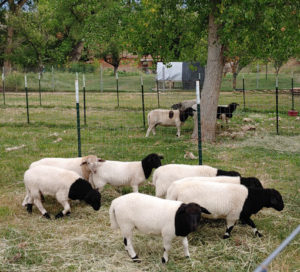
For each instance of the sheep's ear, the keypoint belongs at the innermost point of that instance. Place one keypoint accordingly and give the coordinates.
(84, 162)
(101, 160)
(161, 157)
(203, 210)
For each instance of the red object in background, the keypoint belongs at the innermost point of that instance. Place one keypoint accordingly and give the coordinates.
(292, 113)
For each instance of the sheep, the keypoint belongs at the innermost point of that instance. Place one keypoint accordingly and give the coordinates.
(119, 173)
(152, 215)
(225, 111)
(166, 174)
(77, 165)
(167, 118)
(226, 200)
(184, 104)
(60, 183)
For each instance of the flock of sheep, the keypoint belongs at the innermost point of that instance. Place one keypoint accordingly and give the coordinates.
(191, 191)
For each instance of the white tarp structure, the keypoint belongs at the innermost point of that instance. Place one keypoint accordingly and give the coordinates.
(185, 72)
(172, 71)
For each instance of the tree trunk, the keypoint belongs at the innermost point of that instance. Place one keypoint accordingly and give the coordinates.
(234, 76)
(234, 67)
(8, 49)
(212, 85)
(77, 51)
(14, 8)
(116, 69)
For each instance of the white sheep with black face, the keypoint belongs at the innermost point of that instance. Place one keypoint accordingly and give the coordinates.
(167, 118)
(152, 215)
(59, 183)
(119, 173)
(165, 175)
(78, 165)
(226, 200)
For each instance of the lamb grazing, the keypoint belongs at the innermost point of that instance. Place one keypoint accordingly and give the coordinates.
(77, 165)
(226, 200)
(60, 183)
(119, 173)
(173, 118)
(154, 215)
(225, 111)
(165, 175)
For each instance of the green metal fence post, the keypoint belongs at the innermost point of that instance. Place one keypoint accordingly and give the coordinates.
(143, 103)
(293, 102)
(277, 118)
(53, 83)
(157, 94)
(40, 88)
(26, 92)
(199, 122)
(101, 78)
(117, 81)
(84, 102)
(78, 117)
(244, 95)
(3, 85)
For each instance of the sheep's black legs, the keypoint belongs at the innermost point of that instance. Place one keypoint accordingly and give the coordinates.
(167, 245)
(230, 224)
(29, 208)
(130, 249)
(227, 232)
(249, 222)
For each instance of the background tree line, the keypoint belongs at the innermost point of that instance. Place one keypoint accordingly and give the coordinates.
(38, 32)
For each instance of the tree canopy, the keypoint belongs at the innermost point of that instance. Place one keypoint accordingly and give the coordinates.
(210, 31)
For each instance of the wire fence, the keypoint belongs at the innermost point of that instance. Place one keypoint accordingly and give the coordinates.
(263, 266)
(123, 104)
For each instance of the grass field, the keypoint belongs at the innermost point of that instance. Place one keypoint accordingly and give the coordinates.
(84, 240)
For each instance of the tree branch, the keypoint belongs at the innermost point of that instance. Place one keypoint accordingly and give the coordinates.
(21, 3)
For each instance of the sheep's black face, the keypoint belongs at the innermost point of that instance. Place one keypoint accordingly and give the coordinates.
(176, 106)
(187, 218)
(233, 106)
(276, 201)
(251, 182)
(183, 115)
(151, 161)
(190, 112)
(93, 198)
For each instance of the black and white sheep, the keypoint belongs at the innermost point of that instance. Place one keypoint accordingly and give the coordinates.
(118, 173)
(165, 175)
(77, 165)
(226, 200)
(225, 111)
(173, 118)
(152, 215)
(60, 183)
(248, 182)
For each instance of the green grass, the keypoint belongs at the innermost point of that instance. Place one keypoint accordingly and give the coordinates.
(84, 241)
